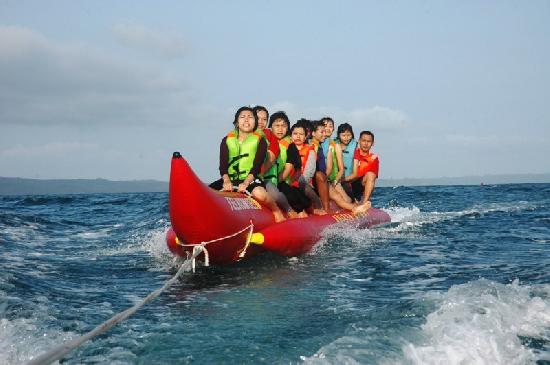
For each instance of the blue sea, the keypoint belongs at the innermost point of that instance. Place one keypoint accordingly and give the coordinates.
(460, 276)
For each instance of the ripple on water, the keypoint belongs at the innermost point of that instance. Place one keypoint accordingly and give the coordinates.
(407, 292)
(484, 322)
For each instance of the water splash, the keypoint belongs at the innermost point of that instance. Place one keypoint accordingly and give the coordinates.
(485, 322)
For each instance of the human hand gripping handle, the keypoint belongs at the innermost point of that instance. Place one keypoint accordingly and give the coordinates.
(242, 187)
(227, 185)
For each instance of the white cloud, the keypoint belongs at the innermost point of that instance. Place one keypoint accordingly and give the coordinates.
(137, 36)
(44, 82)
(374, 118)
(378, 118)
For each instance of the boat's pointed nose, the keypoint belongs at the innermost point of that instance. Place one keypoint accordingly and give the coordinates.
(199, 214)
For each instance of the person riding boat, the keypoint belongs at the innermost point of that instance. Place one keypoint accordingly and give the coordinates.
(242, 153)
(334, 161)
(365, 169)
(329, 151)
(307, 125)
(318, 136)
(273, 152)
(346, 139)
(272, 146)
(303, 178)
(280, 125)
(295, 178)
(320, 182)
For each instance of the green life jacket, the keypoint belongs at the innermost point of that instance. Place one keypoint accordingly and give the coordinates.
(278, 166)
(335, 169)
(241, 155)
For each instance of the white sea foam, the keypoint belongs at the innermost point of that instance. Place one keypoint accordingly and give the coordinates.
(28, 233)
(154, 242)
(91, 235)
(411, 217)
(402, 220)
(481, 323)
(22, 339)
(149, 241)
(402, 214)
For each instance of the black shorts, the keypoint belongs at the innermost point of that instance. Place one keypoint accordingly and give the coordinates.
(218, 184)
(296, 198)
(357, 189)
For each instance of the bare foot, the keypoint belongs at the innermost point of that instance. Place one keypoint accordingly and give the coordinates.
(361, 209)
(302, 214)
(278, 215)
(319, 211)
(292, 214)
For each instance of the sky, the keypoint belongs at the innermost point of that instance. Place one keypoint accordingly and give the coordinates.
(109, 89)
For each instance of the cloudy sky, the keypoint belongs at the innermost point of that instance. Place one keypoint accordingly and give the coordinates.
(94, 89)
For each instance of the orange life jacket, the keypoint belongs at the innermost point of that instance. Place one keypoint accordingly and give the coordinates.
(304, 155)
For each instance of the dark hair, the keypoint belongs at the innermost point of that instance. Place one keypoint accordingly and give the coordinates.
(327, 119)
(344, 127)
(298, 125)
(259, 108)
(368, 133)
(318, 124)
(242, 109)
(279, 115)
(306, 124)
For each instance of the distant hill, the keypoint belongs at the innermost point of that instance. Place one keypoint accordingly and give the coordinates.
(469, 180)
(21, 186)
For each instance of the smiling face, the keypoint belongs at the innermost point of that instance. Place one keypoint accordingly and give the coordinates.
(329, 128)
(298, 136)
(345, 137)
(279, 128)
(262, 119)
(245, 121)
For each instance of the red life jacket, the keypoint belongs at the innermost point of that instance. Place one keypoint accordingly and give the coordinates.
(367, 163)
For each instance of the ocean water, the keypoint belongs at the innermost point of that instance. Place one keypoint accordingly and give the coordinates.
(460, 276)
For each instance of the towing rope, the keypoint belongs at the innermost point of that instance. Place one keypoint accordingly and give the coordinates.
(60, 351)
(201, 247)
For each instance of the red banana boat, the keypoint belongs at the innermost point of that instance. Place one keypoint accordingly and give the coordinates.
(231, 226)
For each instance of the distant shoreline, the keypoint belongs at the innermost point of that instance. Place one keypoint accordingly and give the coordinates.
(24, 186)
(470, 180)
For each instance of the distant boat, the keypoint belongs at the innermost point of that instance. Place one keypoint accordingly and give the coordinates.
(232, 226)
